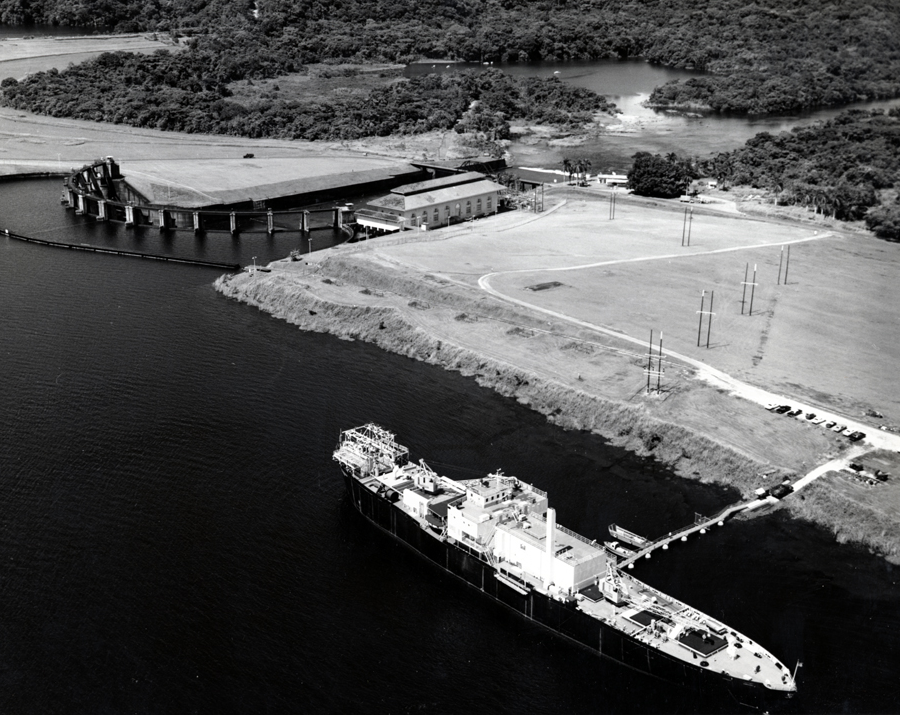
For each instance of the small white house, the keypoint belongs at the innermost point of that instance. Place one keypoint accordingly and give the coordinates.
(612, 179)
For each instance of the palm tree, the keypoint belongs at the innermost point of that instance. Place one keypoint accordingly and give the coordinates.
(585, 170)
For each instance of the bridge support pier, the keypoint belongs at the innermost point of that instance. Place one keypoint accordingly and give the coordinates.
(304, 221)
(79, 205)
(270, 222)
(165, 219)
(129, 216)
(232, 222)
(338, 217)
(198, 222)
(101, 211)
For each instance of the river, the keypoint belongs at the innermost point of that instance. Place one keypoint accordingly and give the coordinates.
(628, 83)
(174, 536)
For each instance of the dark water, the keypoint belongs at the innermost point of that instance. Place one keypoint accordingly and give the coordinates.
(175, 538)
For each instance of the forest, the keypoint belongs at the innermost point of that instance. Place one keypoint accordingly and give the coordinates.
(759, 57)
(847, 167)
(171, 91)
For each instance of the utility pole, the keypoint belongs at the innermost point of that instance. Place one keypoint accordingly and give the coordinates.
(752, 289)
(612, 205)
(659, 368)
(788, 266)
(744, 283)
(649, 369)
(690, 223)
(780, 262)
(700, 326)
(711, 314)
(684, 226)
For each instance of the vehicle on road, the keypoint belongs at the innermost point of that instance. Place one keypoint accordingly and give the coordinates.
(780, 491)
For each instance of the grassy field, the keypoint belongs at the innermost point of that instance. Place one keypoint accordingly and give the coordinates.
(830, 335)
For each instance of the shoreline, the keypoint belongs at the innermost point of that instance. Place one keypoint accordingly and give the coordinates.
(357, 299)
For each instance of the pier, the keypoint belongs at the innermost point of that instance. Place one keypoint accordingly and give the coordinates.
(121, 252)
(700, 525)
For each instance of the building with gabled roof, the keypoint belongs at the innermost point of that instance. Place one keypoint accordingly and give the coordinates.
(432, 203)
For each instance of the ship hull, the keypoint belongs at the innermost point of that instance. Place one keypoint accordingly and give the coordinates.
(563, 618)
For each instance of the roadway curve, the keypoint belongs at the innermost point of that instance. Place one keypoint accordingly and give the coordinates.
(874, 436)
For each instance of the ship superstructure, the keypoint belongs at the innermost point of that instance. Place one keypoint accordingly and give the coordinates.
(499, 534)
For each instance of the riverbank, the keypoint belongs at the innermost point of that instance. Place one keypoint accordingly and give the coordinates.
(420, 299)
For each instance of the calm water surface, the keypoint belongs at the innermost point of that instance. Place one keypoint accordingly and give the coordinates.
(174, 536)
(629, 83)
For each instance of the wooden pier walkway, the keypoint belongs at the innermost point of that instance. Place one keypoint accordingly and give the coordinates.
(682, 534)
(122, 252)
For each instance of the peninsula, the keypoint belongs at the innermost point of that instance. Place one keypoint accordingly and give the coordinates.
(556, 310)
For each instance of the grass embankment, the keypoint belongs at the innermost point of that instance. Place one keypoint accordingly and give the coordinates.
(294, 298)
(420, 299)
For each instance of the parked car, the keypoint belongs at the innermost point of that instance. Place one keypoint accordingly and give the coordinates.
(781, 409)
(856, 436)
(829, 425)
(781, 491)
(818, 420)
(838, 428)
(810, 415)
(794, 413)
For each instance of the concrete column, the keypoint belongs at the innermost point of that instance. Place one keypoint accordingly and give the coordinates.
(338, 217)
(304, 221)
(233, 222)
(198, 222)
(101, 210)
(270, 222)
(129, 215)
(165, 219)
(70, 197)
(79, 205)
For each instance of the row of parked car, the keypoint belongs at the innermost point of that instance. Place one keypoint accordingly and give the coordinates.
(787, 410)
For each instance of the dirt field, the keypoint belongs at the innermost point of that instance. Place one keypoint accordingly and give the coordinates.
(20, 57)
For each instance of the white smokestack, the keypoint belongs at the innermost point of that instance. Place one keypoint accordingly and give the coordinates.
(551, 533)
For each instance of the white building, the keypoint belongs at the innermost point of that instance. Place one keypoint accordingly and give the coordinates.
(428, 204)
(612, 179)
(510, 525)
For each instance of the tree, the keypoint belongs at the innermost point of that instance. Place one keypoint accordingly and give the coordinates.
(663, 177)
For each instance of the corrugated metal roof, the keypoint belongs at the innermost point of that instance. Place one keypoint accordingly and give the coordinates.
(439, 196)
(432, 184)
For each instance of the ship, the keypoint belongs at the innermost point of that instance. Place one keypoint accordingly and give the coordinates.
(499, 534)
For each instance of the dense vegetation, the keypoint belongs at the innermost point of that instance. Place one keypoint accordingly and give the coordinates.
(765, 55)
(847, 167)
(176, 92)
(661, 176)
